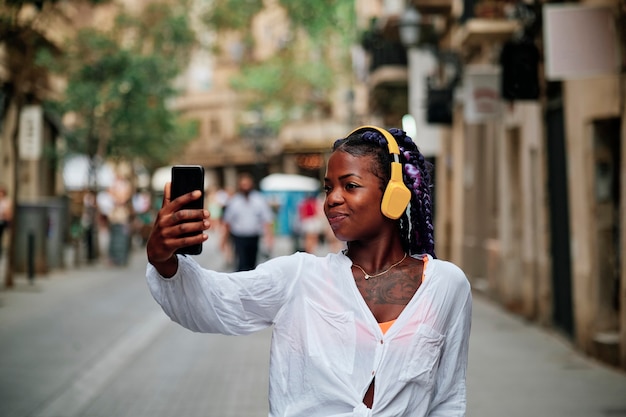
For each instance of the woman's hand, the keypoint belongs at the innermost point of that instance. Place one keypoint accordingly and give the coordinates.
(170, 229)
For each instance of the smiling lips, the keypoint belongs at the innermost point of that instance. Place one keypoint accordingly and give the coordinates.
(335, 218)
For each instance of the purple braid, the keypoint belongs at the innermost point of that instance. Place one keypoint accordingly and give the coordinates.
(417, 177)
(416, 230)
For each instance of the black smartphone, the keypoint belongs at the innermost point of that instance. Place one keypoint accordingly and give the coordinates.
(185, 179)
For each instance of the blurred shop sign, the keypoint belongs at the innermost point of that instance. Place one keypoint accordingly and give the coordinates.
(482, 93)
(580, 41)
(31, 133)
(78, 175)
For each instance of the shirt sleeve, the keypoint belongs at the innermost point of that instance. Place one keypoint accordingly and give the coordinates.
(450, 387)
(229, 303)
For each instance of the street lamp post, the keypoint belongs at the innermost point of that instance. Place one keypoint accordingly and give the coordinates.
(421, 64)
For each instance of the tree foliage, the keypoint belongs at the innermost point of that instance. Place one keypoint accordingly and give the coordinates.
(233, 14)
(301, 76)
(120, 82)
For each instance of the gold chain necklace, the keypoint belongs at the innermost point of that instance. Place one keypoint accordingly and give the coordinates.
(368, 276)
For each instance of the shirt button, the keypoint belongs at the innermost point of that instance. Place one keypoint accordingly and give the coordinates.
(373, 373)
(381, 341)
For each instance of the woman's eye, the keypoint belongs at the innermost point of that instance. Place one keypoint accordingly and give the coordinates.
(351, 185)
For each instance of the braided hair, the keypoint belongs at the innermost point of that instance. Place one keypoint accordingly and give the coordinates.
(416, 227)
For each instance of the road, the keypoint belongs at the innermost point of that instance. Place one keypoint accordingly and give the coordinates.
(91, 342)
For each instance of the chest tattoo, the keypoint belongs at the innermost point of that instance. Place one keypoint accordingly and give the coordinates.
(397, 288)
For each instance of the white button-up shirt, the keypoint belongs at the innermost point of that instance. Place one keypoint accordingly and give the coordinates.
(326, 344)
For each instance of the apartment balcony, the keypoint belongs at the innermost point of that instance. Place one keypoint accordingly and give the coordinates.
(477, 31)
(433, 7)
(486, 21)
(387, 73)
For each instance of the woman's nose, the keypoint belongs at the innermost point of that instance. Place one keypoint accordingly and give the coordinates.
(333, 198)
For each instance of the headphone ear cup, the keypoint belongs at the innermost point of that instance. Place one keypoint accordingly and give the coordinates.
(397, 196)
(395, 200)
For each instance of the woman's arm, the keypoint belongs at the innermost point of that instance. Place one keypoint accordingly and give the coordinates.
(229, 303)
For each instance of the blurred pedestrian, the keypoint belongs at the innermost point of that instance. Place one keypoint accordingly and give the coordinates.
(143, 215)
(380, 329)
(120, 220)
(247, 218)
(88, 222)
(215, 205)
(219, 203)
(6, 214)
(310, 222)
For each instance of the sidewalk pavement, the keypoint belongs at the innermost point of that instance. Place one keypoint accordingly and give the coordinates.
(517, 369)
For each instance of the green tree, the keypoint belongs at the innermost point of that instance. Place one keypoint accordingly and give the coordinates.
(120, 82)
(302, 75)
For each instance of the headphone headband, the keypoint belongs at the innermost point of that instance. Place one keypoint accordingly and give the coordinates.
(392, 145)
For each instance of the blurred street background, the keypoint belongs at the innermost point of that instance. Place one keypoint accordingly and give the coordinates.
(519, 105)
(93, 342)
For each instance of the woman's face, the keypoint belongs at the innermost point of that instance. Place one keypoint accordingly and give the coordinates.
(353, 197)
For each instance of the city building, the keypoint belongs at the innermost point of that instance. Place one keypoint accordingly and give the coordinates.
(529, 199)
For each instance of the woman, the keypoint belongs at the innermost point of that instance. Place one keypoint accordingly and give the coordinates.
(381, 328)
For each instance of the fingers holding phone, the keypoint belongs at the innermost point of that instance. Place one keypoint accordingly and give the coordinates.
(179, 225)
(187, 180)
(180, 209)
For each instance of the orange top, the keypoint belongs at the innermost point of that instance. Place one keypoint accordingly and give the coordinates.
(386, 325)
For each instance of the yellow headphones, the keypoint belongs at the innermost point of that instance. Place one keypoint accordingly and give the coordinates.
(397, 196)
